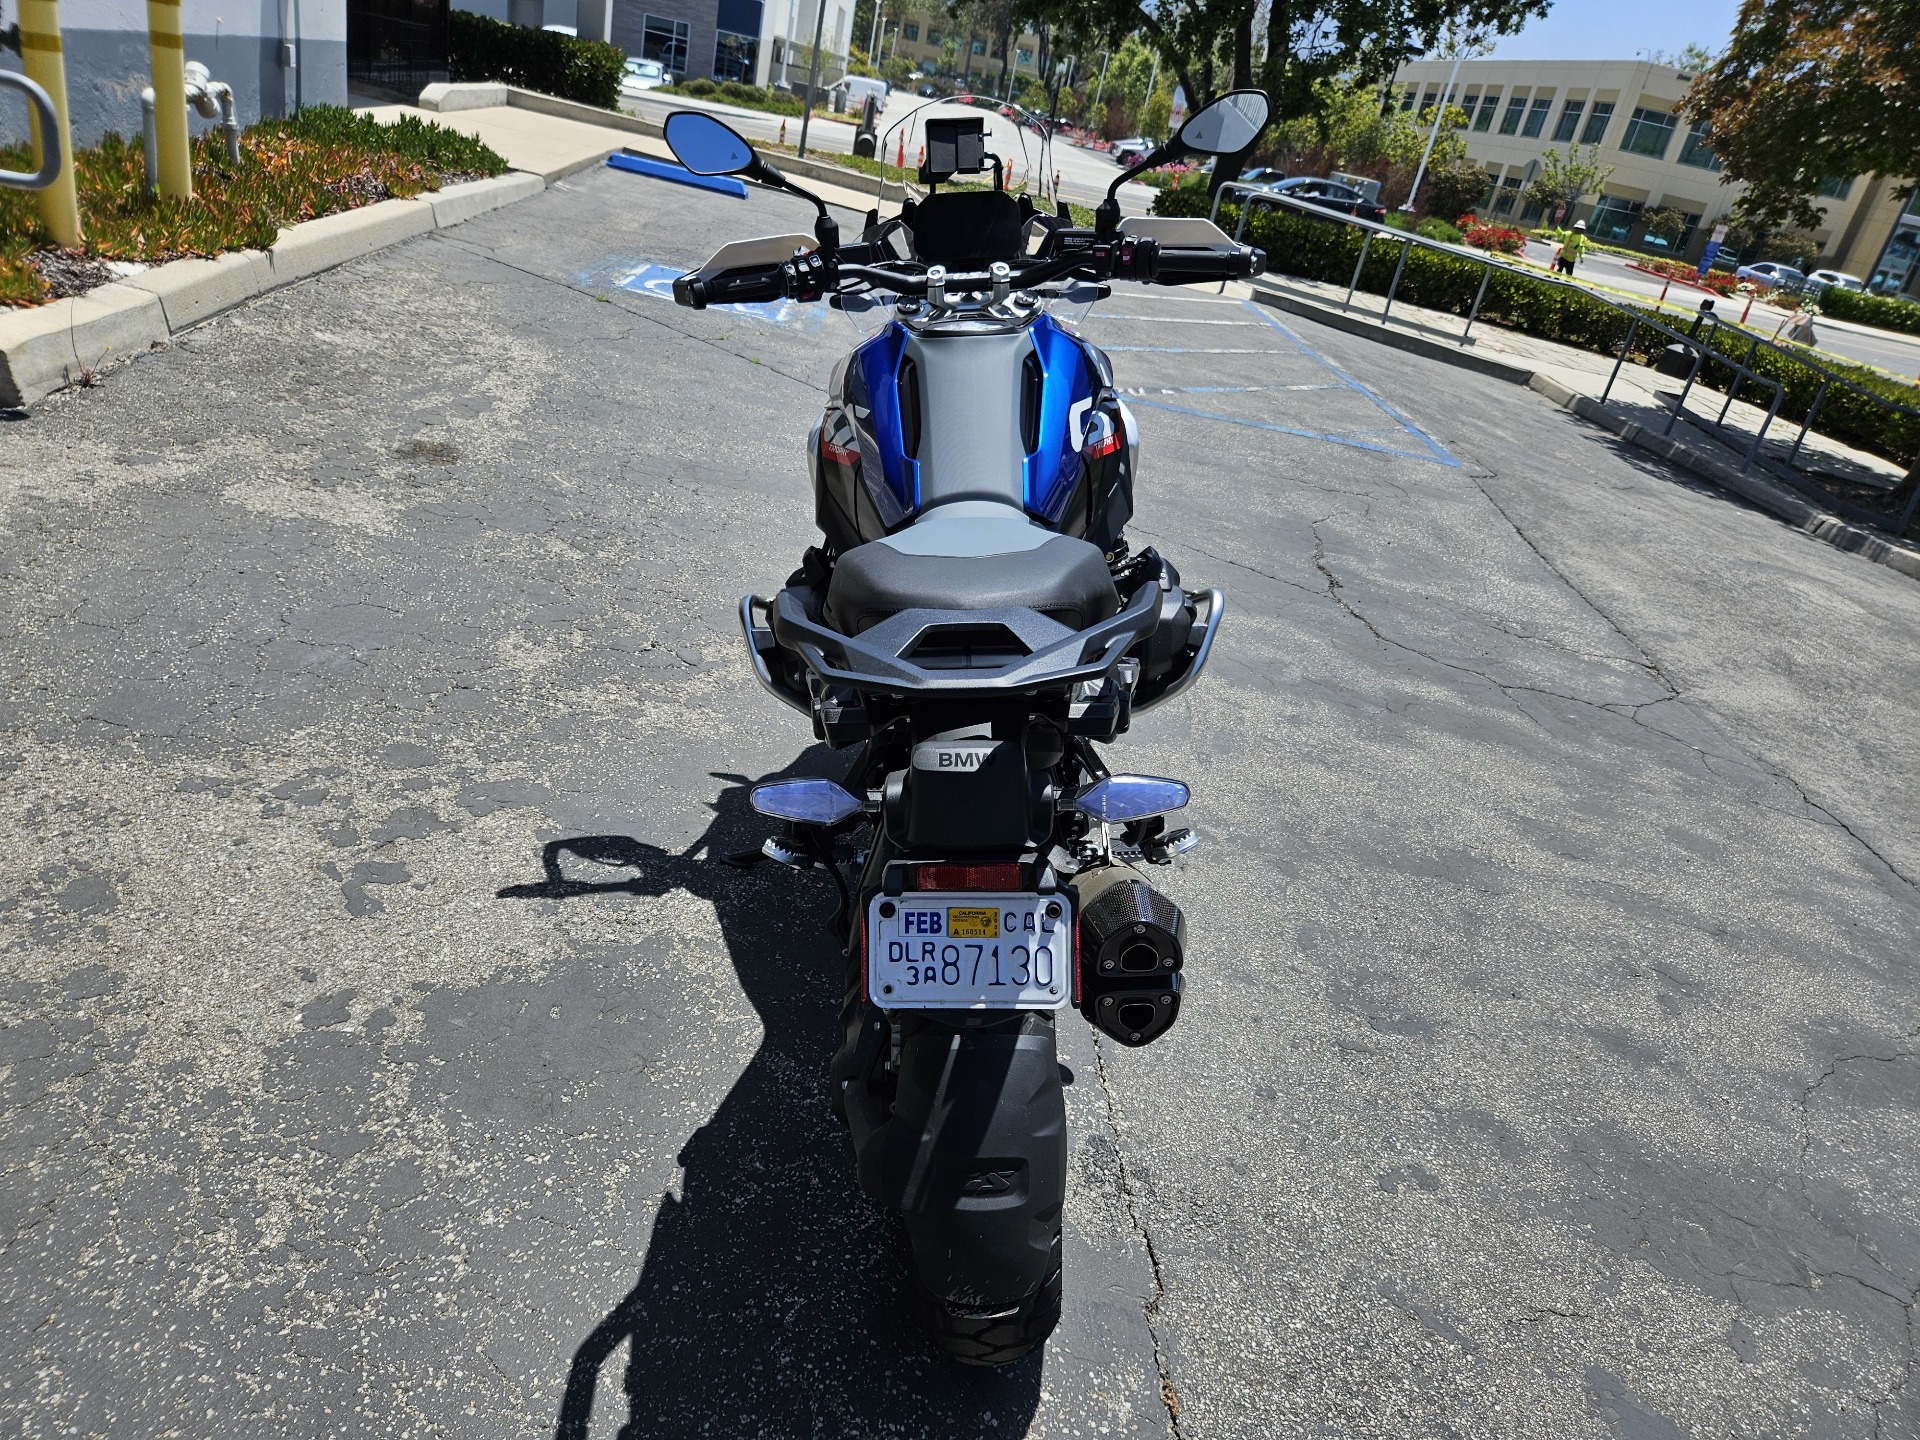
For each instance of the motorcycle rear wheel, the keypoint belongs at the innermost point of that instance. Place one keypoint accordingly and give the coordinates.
(997, 1336)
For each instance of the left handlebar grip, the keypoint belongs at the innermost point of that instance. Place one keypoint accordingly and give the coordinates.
(731, 287)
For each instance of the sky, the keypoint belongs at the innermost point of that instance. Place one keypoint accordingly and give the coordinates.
(1616, 29)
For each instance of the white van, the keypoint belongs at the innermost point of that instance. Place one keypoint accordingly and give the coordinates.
(853, 89)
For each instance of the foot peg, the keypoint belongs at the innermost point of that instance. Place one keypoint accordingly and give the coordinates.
(1132, 947)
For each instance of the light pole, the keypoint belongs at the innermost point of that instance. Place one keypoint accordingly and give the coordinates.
(786, 47)
(1439, 114)
(813, 71)
(873, 37)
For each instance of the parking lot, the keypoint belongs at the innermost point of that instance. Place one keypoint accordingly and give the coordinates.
(396, 1038)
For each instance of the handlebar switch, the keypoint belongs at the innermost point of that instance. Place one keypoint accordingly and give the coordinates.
(1136, 257)
(808, 276)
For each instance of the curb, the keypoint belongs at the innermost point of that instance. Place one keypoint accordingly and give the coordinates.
(48, 347)
(1757, 490)
(1395, 339)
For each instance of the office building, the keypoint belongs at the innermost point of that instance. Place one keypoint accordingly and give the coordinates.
(1520, 109)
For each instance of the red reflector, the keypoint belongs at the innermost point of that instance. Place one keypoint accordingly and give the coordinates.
(839, 453)
(968, 877)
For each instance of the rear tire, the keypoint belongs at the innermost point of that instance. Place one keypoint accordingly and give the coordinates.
(997, 1336)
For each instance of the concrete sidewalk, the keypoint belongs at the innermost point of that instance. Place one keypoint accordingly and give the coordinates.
(553, 146)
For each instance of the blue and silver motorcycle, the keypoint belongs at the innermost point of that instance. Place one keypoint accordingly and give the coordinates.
(973, 626)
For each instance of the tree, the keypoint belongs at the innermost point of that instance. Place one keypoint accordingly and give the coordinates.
(1451, 190)
(1809, 89)
(1565, 178)
(1792, 244)
(1155, 115)
(1666, 223)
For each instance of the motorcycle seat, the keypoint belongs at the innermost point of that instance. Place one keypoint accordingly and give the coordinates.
(970, 555)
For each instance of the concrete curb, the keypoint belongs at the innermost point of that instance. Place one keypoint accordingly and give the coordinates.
(1758, 490)
(49, 347)
(1397, 339)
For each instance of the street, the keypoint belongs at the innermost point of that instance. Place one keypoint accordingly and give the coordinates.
(397, 1037)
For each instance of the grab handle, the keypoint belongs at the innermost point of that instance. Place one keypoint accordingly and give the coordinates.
(50, 156)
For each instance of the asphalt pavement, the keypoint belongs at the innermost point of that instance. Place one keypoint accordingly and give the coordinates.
(397, 1039)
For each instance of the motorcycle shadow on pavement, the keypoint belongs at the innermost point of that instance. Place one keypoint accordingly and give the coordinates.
(771, 1301)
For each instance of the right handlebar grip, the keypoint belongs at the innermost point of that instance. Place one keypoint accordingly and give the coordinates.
(1188, 267)
(731, 287)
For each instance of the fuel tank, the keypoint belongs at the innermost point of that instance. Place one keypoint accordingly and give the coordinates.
(1022, 412)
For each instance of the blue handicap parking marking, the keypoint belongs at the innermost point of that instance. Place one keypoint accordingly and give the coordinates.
(651, 278)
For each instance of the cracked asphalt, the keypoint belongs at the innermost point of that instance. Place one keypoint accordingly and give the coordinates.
(388, 1047)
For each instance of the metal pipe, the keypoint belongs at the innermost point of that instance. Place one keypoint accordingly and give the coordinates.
(149, 141)
(45, 64)
(1486, 274)
(1779, 394)
(1633, 328)
(813, 70)
(1439, 114)
(1394, 288)
(46, 122)
(1358, 266)
(1807, 424)
(1699, 359)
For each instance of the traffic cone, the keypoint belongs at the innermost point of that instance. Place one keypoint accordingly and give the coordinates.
(783, 131)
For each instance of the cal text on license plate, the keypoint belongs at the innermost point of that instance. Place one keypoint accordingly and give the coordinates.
(969, 950)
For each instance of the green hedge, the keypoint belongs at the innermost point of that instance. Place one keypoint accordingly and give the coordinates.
(1878, 310)
(1327, 251)
(432, 146)
(542, 60)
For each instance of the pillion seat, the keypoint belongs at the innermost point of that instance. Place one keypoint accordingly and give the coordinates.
(970, 555)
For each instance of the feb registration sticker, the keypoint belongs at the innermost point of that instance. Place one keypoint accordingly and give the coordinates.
(970, 951)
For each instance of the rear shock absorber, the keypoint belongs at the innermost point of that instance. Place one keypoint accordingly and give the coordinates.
(1133, 944)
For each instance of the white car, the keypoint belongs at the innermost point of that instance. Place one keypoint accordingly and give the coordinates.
(640, 76)
(1821, 279)
(1770, 275)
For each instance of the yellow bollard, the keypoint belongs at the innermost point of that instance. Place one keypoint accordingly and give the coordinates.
(46, 66)
(168, 47)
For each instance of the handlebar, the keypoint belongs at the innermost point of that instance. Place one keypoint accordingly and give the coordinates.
(809, 276)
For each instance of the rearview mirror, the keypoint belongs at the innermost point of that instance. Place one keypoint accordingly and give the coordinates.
(1225, 127)
(707, 146)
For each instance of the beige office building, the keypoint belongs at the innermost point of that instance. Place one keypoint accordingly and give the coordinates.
(1520, 109)
(938, 44)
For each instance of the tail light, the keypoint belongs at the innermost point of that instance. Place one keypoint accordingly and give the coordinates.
(969, 877)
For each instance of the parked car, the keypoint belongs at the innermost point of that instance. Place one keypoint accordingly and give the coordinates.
(1262, 175)
(640, 76)
(1821, 280)
(1771, 274)
(1129, 151)
(1331, 194)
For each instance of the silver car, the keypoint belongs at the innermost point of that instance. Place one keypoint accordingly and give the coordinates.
(1771, 274)
(640, 76)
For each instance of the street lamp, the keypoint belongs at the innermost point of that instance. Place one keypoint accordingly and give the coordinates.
(1439, 114)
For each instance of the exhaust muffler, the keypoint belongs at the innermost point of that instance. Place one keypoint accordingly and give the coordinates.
(1133, 944)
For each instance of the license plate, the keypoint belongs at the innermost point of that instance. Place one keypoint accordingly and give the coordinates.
(969, 950)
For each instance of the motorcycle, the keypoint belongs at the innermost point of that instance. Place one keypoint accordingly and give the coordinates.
(973, 624)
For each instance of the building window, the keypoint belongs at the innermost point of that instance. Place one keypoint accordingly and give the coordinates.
(1516, 107)
(1484, 119)
(1407, 98)
(1470, 104)
(1648, 133)
(734, 56)
(1433, 98)
(1537, 116)
(1023, 56)
(1507, 196)
(1696, 151)
(934, 37)
(665, 41)
(1569, 119)
(979, 47)
(910, 32)
(1530, 214)
(1679, 247)
(1836, 188)
(1614, 218)
(1597, 123)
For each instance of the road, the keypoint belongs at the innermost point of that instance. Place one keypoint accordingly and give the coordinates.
(1897, 354)
(388, 1047)
(1084, 174)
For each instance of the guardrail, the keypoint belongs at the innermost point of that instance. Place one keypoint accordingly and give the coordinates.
(1702, 352)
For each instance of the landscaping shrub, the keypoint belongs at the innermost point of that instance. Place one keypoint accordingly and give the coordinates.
(751, 97)
(542, 60)
(1327, 251)
(1486, 235)
(1880, 310)
(1720, 282)
(324, 160)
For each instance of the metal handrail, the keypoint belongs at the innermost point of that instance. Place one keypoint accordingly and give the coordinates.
(1259, 195)
(49, 127)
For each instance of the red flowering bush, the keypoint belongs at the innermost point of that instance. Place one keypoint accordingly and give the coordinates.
(1487, 235)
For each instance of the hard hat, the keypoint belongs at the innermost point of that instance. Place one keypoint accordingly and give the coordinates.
(1579, 224)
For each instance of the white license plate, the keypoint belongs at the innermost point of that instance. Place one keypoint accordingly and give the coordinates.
(970, 950)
